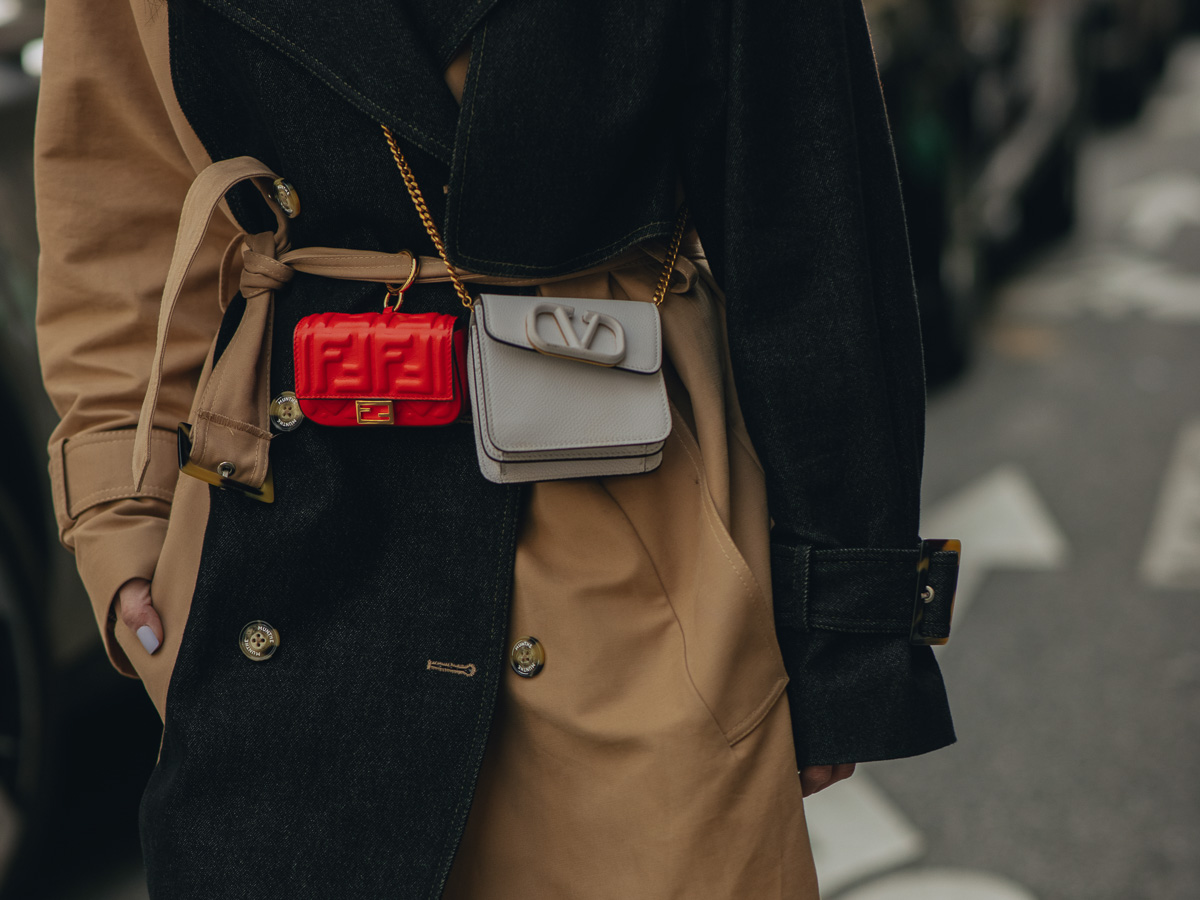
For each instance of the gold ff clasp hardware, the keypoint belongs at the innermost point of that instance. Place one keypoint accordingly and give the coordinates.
(394, 297)
(373, 412)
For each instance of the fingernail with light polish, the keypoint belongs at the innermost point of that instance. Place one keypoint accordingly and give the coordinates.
(146, 635)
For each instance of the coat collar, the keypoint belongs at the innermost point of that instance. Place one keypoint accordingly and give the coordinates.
(377, 59)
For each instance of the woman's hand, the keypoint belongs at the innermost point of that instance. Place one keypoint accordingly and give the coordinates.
(817, 778)
(137, 612)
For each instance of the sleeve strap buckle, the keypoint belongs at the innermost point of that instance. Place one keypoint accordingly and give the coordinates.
(936, 584)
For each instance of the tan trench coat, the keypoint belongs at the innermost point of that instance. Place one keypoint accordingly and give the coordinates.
(694, 741)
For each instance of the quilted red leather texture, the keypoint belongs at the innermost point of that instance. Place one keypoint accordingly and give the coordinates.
(384, 368)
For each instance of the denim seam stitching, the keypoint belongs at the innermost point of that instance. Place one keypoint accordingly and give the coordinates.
(471, 13)
(475, 65)
(322, 72)
(583, 259)
(483, 704)
(804, 556)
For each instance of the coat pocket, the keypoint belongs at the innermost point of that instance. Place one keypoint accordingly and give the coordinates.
(721, 607)
(738, 668)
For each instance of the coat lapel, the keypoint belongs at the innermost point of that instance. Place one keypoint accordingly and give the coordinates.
(383, 57)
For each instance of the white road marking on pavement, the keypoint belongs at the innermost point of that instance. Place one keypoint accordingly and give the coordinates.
(1002, 523)
(1110, 283)
(941, 884)
(1172, 555)
(857, 832)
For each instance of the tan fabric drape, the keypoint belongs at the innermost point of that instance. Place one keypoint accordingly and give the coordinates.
(652, 755)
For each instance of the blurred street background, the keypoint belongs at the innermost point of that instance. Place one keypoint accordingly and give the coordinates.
(1050, 156)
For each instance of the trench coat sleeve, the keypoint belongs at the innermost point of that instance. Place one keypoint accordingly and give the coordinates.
(790, 174)
(111, 174)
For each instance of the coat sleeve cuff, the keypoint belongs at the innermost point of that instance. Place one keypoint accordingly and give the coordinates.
(864, 685)
(96, 468)
(115, 530)
(114, 542)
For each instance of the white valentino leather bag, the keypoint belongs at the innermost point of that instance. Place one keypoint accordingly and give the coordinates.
(562, 387)
(566, 388)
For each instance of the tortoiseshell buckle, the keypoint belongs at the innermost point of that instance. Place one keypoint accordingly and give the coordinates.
(925, 591)
(265, 494)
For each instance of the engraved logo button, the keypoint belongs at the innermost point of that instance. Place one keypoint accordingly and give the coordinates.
(528, 657)
(258, 641)
(287, 198)
(285, 411)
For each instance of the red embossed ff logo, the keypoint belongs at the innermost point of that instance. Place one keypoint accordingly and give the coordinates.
(373, 412)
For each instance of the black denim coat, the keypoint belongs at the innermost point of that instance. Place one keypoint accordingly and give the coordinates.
(579, 121)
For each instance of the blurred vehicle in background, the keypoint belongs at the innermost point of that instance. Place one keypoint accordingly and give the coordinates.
(989, 100)
(987, 104)
(1127, 46)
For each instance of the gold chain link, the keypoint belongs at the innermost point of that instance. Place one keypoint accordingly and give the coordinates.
(664, 280)
(418, 199)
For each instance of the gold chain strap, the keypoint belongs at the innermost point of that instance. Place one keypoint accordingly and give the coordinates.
(418, 199)
(664, 280)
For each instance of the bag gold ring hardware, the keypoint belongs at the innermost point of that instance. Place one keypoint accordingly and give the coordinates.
(397, 290)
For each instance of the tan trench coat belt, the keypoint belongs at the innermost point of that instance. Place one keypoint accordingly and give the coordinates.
(229, 426)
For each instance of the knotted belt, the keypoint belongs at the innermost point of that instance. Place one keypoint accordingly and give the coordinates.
(230, 432)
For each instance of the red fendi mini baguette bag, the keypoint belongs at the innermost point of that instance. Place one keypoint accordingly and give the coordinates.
(384, 368)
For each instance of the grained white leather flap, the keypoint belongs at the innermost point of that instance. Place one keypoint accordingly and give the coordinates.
(529, 405)
(624, 334)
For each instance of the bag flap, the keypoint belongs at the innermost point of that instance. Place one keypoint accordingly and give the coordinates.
(384, 356)
(623, 334)
(529, 403)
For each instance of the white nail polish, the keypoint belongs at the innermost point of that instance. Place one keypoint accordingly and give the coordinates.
(145, 634)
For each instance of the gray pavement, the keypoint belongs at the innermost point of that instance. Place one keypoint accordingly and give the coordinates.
(1067, 460)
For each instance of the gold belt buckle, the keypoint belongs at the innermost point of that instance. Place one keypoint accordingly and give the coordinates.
(925, 591)
(265, 494)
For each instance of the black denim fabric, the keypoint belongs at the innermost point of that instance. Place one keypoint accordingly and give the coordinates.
(384, 548)
(852, 639)
(343, 766)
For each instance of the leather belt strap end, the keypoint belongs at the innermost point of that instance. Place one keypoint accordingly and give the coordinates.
(201, 202)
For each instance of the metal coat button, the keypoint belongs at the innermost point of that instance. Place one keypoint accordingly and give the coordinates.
(285, 412)
(258, 641)
(528, 657)
(287, 198)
